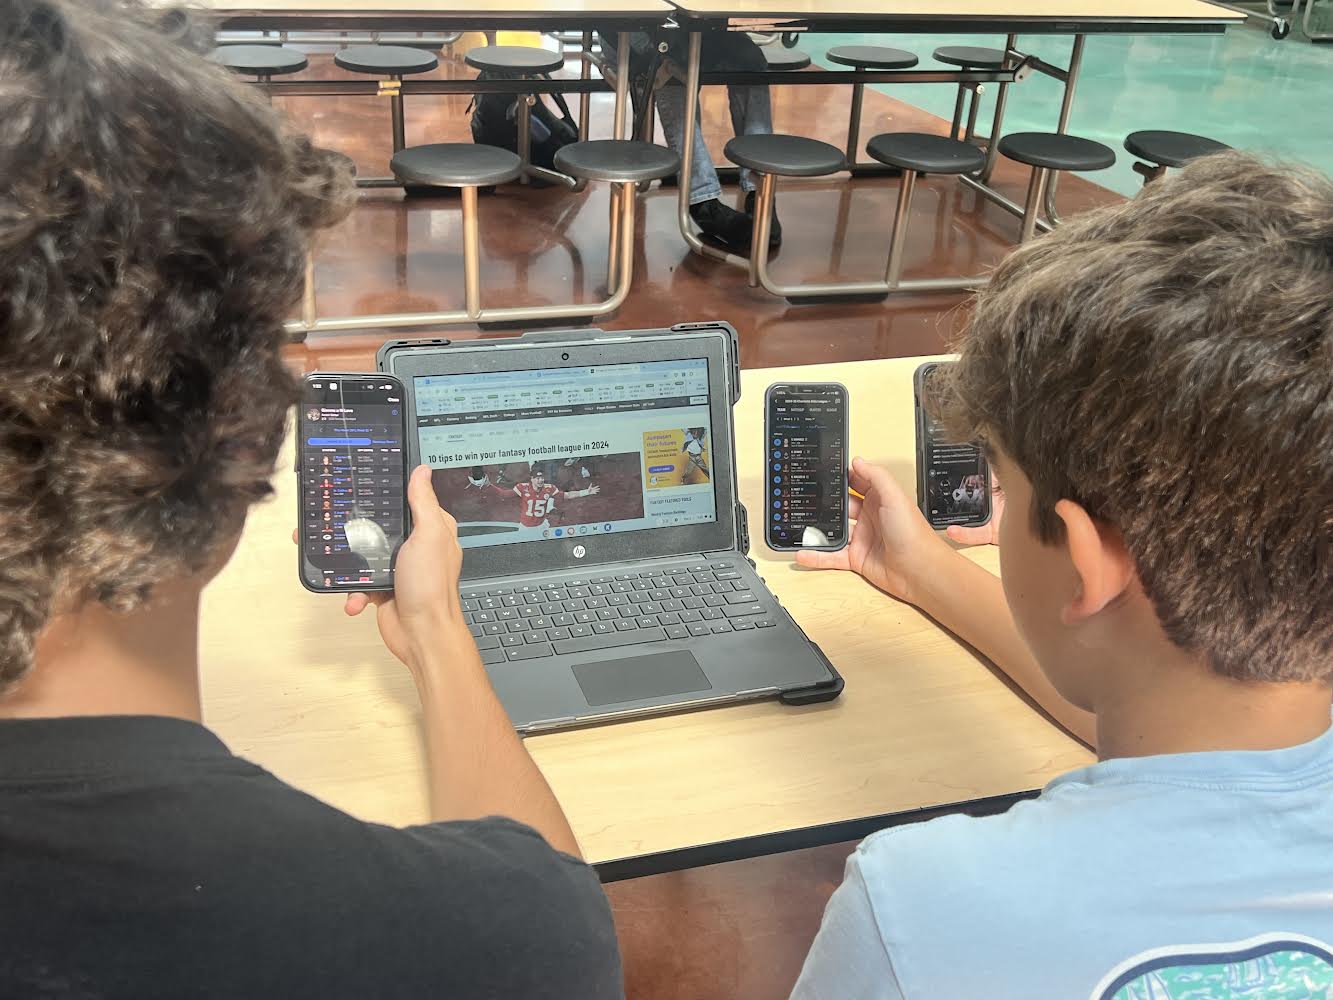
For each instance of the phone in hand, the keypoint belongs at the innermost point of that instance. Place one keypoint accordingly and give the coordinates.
(805, 466)
(352, 480)
(952, 477)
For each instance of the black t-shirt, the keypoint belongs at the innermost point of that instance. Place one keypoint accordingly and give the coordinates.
(139, 858)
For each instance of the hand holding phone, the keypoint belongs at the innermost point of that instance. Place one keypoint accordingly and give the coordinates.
(805, 466)
(352, 477)
(953, 484)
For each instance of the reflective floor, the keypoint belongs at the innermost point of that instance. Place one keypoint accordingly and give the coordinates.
(548, 245)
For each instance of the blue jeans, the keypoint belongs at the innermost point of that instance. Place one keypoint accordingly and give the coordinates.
(751, 109)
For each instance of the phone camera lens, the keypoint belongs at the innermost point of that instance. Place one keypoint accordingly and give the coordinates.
(564, 357)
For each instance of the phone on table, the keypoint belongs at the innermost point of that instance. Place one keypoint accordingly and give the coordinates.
(352, 480)
(805, 466)
(952, 477)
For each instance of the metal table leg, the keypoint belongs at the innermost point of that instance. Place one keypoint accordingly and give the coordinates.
(997, 125)
(585, 73)
(1066, 105)
(622, 84)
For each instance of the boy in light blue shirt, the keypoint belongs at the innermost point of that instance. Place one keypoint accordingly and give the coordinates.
(1154, 384)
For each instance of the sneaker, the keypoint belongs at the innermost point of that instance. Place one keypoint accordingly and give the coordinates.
(723, 224)
(774, 230)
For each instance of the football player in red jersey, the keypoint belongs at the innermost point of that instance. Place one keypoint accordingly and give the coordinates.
(538, 497)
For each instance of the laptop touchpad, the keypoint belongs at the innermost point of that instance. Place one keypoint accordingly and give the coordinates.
(636, 677)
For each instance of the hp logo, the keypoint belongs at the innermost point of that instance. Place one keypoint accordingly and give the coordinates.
(579, 552)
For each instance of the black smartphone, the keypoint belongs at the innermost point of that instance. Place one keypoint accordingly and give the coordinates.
(352, 480)
(952, 477)
(805, 466)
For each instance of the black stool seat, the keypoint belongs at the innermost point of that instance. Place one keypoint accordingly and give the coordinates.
(872, 57)
(1057, 152)
(785, 155)
(616, 160)
(455, 164)
(926, 154)
(970, 56)
(784, 60)
(1171, 149)
(390, 60)
(515, 59)
(261, 60)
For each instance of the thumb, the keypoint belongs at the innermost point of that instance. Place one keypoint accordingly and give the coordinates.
(812, 559)
(421, 498)
(969, 536)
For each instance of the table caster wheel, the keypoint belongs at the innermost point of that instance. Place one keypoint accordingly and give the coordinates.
(1281, 29)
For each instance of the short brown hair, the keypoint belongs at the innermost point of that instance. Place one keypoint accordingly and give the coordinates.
(153, 223)
(1167, 363)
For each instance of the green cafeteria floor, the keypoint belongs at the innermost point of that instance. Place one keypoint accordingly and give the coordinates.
(1242, 88)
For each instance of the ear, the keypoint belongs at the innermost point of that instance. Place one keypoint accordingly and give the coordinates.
(1104, 568)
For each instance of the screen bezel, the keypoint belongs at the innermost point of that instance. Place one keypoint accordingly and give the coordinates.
(551, 554)
(807, 389)
(924, 455)
(306, 400)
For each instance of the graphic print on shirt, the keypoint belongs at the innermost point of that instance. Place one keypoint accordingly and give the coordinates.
(538, 502)
(1270, 966)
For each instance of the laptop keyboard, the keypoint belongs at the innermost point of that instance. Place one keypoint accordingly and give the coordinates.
(526, 621)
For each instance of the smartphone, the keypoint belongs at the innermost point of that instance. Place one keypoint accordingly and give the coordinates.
(352, 480)
(805, 466)
(952, 477)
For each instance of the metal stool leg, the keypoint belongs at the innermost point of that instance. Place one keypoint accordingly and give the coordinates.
(396, 114)
(471, 254)
(854, 123)
(898, 238)
(973, 108)
(613, 243)
(625, 267)
(1150, 172)
(763, 218)
(957, 112)
(309, 312)
(1036, 191)
(523, 111)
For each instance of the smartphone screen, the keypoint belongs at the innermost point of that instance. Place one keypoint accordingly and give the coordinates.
(805, 444)
(953, 478)
(353, 481)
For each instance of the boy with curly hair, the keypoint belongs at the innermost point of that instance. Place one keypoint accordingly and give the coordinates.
(154, 219)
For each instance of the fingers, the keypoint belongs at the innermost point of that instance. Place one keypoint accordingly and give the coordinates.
(296, 536)
(854, 507)
(969, 536)
(823, 560)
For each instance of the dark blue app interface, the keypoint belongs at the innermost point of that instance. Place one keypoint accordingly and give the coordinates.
(806, 467)
(353, 481)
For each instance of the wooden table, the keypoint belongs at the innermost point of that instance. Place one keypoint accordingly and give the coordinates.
(924, 724)
(423, 15)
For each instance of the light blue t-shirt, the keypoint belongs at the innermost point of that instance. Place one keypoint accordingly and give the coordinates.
(1197, 876)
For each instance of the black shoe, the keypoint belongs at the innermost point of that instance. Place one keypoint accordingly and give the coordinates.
(774, 229)
(723, 224)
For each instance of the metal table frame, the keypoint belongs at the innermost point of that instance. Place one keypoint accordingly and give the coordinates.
(1017, 66)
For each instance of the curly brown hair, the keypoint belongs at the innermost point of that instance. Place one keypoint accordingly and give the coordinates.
(1168, 364)
(154, 216)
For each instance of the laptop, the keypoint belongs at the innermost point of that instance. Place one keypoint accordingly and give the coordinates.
(593, 478)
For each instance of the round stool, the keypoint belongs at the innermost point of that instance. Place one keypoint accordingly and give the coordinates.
(1047, 151)
(1168, 149)
(773, 156)
(523, 62)
(467, 166)
(863, 57)
(917, 153)
(626, 163)
(393, 62)
(968, 57)
(783, 60)
(263, 62)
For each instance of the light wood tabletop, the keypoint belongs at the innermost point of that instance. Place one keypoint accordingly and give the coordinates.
(1001, 12)
(294, 685)
(477, 10)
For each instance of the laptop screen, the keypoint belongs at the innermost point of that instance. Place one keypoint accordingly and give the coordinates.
(558, 453)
